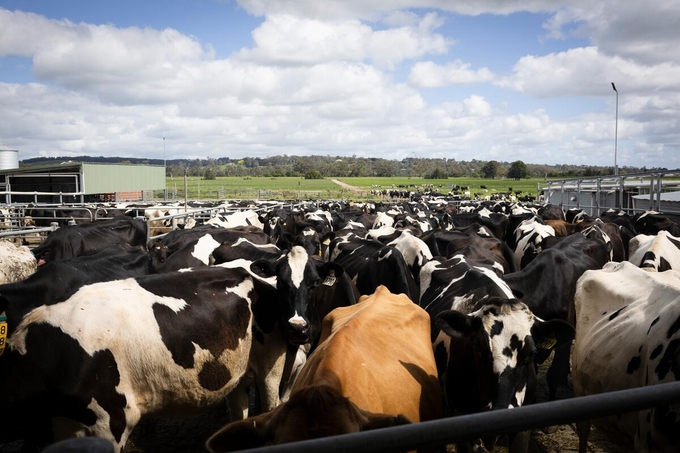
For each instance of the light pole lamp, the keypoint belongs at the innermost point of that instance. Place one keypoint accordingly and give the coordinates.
(616, 129)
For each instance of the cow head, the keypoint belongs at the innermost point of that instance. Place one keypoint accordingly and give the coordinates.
(503, 336)
(297, 275)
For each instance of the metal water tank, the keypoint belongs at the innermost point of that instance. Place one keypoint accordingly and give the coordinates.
(9, 159)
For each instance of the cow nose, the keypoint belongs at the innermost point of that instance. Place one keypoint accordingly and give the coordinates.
(299, 328)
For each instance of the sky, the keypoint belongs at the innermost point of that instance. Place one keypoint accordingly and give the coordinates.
(501, 80)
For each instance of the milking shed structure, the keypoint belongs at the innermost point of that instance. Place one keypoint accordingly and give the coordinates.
(75, 182)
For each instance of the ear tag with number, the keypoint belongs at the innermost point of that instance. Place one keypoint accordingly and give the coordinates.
(330, 280)
(547, 343)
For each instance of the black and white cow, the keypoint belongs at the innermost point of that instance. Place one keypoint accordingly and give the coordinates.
(628, 336)
(97, 362)
(484, 340)
(659, 253)
(548, 284)
(415, 252)
(90, 238)
(370, 264)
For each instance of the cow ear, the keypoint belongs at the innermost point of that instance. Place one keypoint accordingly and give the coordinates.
(263, 268)
(371, 420)
(455, 323)
(240, 435)
(552, 334)
(329, 268)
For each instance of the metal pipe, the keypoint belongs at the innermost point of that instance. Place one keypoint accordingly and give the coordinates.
(497, 422)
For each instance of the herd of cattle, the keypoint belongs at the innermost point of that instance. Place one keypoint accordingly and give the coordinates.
(342, 318)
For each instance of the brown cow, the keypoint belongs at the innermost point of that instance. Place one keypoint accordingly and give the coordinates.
(374, 368)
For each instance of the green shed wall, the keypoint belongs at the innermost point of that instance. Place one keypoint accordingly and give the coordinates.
(98, 178)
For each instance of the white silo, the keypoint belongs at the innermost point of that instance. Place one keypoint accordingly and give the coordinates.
(9, 158)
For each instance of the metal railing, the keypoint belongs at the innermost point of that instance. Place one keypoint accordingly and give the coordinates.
(598, 193)
(498, 422)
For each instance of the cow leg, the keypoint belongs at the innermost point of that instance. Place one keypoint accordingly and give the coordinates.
(583, 430)
(558, 371)
(519, 442)
(238, 399)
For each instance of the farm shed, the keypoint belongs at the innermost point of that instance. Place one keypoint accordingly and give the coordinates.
(79, 182)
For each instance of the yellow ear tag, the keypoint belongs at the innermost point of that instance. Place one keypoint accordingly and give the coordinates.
(330, 280)
(547, 343)
(3, 333)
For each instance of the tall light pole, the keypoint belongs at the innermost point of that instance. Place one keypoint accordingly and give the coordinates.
(165, 170)
(616, 129)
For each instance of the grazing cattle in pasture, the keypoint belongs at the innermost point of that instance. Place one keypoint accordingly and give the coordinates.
(657, 253)
(369, 264)
(548, 285)
(90, 238)
(114, 352)
(484, 340)
(374, 368)
(627, 336)
(16, 262)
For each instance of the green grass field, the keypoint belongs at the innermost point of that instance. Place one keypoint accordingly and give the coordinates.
(293, 188)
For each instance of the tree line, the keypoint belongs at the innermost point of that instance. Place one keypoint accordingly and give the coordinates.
(312, 167)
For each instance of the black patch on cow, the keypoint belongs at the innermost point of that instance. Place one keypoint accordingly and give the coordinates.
(666, 363)
(640, 348)
(214, 375)
(664, 265)
(441, 358)
(674, 328)
(497, 328)
(213, 318)
(665, 422)
(655, 353)
(616, 313)
(652, 324)
(58, 362)
(633, 365)
(258, 336)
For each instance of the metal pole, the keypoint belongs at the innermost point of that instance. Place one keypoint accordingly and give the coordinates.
(616, 129)
(486, 424)
(165, 171)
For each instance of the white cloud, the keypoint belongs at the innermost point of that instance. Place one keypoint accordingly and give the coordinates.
(290, 40)
(427, 74)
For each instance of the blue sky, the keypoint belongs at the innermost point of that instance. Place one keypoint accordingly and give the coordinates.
(485, 79)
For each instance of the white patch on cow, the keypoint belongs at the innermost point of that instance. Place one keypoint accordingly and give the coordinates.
(242, 290)
(204, 247)
(81, 315)
(517, 321)
(297, 261)
(385, 256)
(296, 319)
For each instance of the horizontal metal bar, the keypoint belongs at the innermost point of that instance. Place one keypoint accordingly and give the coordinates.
(29, 231)
(481, 425)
